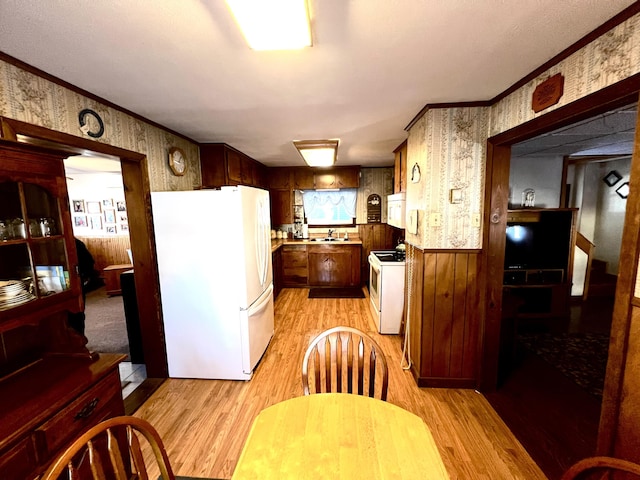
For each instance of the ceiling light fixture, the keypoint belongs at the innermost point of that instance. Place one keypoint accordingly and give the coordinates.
(318, 153)
(273, 24)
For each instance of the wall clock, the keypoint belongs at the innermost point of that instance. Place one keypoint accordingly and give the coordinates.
(90, 123)
(177, 161)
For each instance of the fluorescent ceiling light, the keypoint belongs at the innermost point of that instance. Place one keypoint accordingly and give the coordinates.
(318, 153)
(273, 24)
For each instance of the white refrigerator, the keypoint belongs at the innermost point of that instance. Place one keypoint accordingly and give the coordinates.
(216, 283)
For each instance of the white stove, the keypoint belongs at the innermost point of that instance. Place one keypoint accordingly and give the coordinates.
(386, 289)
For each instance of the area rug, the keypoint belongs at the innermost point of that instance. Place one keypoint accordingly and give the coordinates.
(105, 324)
(331, 292)
(582, 357)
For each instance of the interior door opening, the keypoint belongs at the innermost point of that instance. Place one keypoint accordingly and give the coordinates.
(553, 357)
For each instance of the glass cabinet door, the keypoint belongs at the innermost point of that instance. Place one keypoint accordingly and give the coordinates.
(33, 255)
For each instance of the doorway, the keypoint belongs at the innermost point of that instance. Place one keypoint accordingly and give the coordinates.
(101, 228)
(137, 196)
(556, 417)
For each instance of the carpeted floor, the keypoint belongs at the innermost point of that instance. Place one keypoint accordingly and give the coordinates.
(580, 356)
(105, 325)
(330, 292)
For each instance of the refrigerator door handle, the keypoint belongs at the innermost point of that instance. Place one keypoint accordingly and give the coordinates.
(261, 242)
(259, 307)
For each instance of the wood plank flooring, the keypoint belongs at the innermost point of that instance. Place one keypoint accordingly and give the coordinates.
(204, 423)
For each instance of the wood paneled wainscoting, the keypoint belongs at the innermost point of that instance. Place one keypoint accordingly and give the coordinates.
(108, 250)
(444, 316)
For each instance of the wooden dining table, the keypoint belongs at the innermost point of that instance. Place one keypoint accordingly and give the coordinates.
(339, 435)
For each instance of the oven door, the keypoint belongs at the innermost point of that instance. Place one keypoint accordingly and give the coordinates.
(375, 283)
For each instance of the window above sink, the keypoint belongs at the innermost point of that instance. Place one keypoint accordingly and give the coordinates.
(328, 208)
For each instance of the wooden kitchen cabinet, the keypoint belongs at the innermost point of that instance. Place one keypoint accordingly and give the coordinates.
(280, 178)
(303, 178)
(337, 177)
(334, 265)
(281, 207)
(51, 386)
(400, 168)
(295, 270)
(276, 261)
(222, 165)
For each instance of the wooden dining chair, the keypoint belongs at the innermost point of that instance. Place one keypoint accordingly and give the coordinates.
(345, 360)
(111, 449)
(601, 468)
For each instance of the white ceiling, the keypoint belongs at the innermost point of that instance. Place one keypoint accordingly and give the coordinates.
(611, 133)
(373, 66)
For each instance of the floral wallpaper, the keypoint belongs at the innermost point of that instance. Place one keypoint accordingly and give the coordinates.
(448, 144)
(447, 147)
(610, 58)
(30, 98)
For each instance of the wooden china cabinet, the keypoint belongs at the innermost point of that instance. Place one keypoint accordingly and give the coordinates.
(51, 386)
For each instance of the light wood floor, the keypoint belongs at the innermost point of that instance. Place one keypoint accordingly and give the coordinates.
(204, 423)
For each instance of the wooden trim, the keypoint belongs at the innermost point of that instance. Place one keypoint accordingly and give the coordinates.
(495, 221)
(433, 106)
(608, 443)
(51, 78)
(614, 96)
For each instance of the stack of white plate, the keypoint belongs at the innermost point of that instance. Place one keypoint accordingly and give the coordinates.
(13, 293)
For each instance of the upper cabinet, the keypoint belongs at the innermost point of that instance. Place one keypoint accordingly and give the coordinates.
(400, 170)
(337, 177)
(303, 178)
(223, 165)
(37, 250)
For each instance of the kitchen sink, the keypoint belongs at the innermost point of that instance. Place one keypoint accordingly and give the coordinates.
(327, 239)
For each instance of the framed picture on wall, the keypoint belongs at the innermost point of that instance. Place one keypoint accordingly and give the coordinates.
(96, 222)
(108, 203)
(93, 207)
(124, 227)
(78, 206)
(612, 178)
(110, 229)
(122, 217)
(121, 206)
(109, 215)
(80, 221)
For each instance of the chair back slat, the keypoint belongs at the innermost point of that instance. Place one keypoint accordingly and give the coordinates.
(317, 368)
(339, 349)
(115, 456)
(346, 350)
(361, 367)
(345, 360)
(372, 372)
(137, 460)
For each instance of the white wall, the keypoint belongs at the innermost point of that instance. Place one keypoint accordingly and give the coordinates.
(104, 190)
(543, 174)
(611, 210)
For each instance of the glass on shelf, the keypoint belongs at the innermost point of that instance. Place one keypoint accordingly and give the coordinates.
(42, 211)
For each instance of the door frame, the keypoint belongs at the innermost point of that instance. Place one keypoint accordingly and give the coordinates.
(496, 202)
(137, 192)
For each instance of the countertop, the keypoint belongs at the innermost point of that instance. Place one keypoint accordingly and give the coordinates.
(276, 244)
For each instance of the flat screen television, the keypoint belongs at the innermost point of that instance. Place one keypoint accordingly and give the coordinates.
(539, 245)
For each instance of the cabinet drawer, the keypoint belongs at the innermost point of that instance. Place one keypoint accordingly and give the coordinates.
(100, 402)
(18, 460)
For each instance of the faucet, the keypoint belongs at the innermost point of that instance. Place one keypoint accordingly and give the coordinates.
(330, 234)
